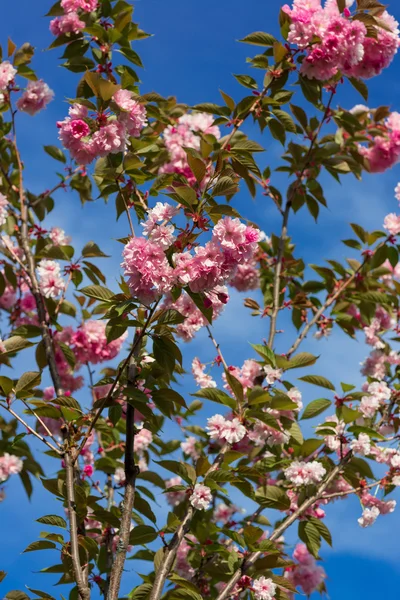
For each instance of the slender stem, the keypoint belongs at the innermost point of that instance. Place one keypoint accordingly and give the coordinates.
(55, 188)
(321, 311)
(43, 424)
(217, 347)
(171, 549)
(122, 368)
(83, 589)
(25, 424)
(131, 473)
(254, 556)
(353, 491)
(61, 300)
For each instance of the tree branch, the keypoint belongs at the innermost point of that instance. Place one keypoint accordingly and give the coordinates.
(25, 424)
(254, 556)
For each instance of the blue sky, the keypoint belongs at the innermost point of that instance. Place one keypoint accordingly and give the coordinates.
(194, 53)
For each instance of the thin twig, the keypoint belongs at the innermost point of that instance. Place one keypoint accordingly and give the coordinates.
(217, 347)
(254, 556)
(40, 437)
(43, 424)
(353, 491)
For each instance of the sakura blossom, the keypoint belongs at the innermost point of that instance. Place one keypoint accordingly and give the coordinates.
(224, 430)
(302, 473)
(142, 440)
(51, 283)
(89, 343)
(295, 396)
(368, 517)
(9, 465)
(392, 223)
(201, 497)
(35, 98)
(224, 513)
(272, 374)
(7, 74)
(119, 476)
(75, 5)
(383, 151)
(306, 573)
(134, 116)
(264, 589)
(59, 237)
(189, 447)
(176, 497)
(362, 445)
(68, 23)
(3, 209)
(202, 379)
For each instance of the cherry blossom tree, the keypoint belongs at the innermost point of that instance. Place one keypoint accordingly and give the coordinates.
(173, 172)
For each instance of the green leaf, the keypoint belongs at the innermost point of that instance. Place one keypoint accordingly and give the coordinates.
(272, 496)
(142, 534)
(246, 81)
(56, 153)
(142, 592)
(40, 545)
(6, 384)
(280, 51)
(53, 520)
(91, 249)
(101, 88)
(16, 343)
(266, 353)
(144, 508)
(97, 291)
(216, 395)
(28, 381)
(360, 86)
(259, 38)
(318, 380)
(3, 575)
(303, 359)
(16, 595)
(316, 407)
(310, 535)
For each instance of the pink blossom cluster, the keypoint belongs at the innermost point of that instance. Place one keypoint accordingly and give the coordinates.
(189, 447)
(151, 275)
(201, 497)
(194, 318)
(70, 21)
(3, 209)
(247, 374)
(182, 566)
(202, 379)
(368, 517)
(35, 98)
(382, 321)
(59, 237)
(392, 224)
(383, 151)
(377, 362)
(272, 374)
(224, 430)
(338, 428)
(142, 440)
(224, 513)
(89, 343)
(183, 135)
(305, 473)
(384, 507)
(378, 394)
(174, 497)
(9, 465)
(246, 277)
(334, 43)
(361, 445)
(262, 434)
(50, 281)
(264, 589)
(7, 74)
(314, 511)
(305, 573)
(89, 137)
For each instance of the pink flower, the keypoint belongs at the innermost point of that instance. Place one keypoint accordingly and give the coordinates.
(134, 115)
(88, 470)
(306, 574)
(142, 441)
(246, 278)
(69, 23)
(224, 513)
(74, 5)
(362, 445)
(9, 465)
(35, 98)
(49, 393)
(225, 430)
(147, 269)
(302, 473)
(201, 497)
(110, 139)
(51, 284)
(295, 396)
(392, 223)
(90, 345)
(368, 517)
(119, 476)
(202, 379)
(7, 74)
(264, 589)
(3, 209)
(271, 374)
(369, 405)
(175, 498)
(189, 447)
(58, 237)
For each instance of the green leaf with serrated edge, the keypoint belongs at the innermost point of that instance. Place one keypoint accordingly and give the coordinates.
(303, 359)
(97, 291)
(310, 535)
(56, 153)
(142, 592)
(315, 408)
(272, 497)
(40, 545)
(259, 38)
(28, 381)
(142, 534)
(318, 380)
(53, 520)
(265, 352)
(216, 395)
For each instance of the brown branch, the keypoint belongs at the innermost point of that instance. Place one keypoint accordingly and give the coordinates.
(121, 369)
(254, 556)
(217, 347)
(131, 473)
(25, 424)
(43, 424)
(59, 185)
